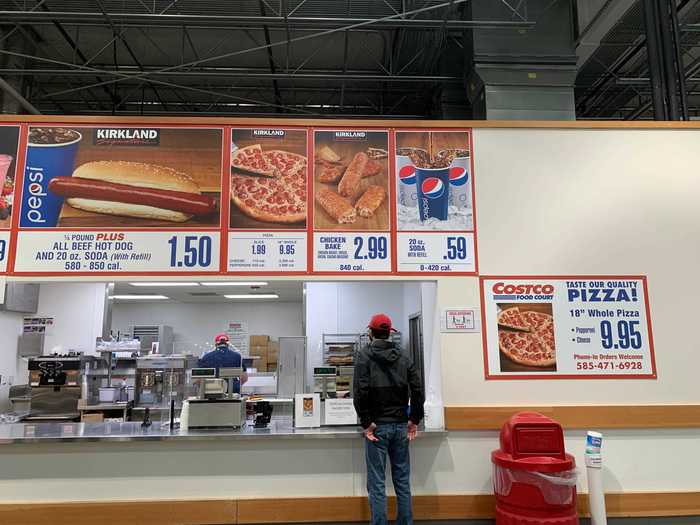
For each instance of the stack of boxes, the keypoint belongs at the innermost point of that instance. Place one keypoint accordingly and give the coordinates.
(265, 351)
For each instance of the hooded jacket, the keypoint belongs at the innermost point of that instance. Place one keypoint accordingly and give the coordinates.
(385, 380)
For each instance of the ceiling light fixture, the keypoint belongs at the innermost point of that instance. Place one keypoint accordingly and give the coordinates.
(173, 283)
(253, 296)
(144, 297)
(235, 283)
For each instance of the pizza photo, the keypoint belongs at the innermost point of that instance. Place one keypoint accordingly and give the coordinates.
(268, 179)
(526, 337)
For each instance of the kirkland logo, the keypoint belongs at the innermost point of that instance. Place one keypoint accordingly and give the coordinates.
(268, 133)
(127, 136)
(350, 134)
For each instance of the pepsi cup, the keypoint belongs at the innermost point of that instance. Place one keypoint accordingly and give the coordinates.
(459, 182)
(406, 175)
(51, 153)
(433, 189)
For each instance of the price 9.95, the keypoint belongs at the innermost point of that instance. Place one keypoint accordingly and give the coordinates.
(194, 251)
(376, 248)
(626, 336)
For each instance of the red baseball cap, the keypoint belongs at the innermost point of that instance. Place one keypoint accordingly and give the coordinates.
(221, 338)
(381, 322)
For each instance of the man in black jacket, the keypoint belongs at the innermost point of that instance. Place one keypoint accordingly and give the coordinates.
(385, 382)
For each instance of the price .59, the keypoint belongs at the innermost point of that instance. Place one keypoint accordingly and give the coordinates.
(196, 251)
(456, 249)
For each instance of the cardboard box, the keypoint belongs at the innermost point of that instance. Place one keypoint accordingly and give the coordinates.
(273, 350)
(272, 366)
(260, 364)
(259, 350)
(93, 418)
(259, 340)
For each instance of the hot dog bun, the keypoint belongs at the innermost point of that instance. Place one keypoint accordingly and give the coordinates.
(139, 175)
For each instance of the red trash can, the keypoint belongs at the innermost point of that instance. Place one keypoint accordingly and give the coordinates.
(534, 479)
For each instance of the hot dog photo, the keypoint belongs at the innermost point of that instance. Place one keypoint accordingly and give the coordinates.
(351, 180)
(77, 177)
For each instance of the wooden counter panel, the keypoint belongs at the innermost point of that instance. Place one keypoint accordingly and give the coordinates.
(578, 416)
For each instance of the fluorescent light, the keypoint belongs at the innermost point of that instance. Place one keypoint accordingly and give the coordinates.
(173, 283)
(253, 296)
(142, 297)
(236, 283)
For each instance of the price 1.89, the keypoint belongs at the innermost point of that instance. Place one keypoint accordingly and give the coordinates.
(626, 336)
(376, 248)
(193, 251)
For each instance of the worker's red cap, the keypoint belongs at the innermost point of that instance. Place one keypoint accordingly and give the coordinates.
(221, 338)
(381, 322)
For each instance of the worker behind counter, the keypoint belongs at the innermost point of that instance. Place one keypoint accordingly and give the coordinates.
(224, 356)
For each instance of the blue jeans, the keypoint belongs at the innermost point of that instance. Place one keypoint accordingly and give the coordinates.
(393, 441)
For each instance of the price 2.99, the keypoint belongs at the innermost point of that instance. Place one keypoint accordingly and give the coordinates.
(624, 336)
(195, 251)
(376, 248)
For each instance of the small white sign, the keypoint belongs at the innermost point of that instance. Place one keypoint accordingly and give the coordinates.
(307, 410)
(460, 319)
(339, 412)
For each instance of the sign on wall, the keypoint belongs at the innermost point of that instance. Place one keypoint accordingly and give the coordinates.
(186, 199)
(9, 149)
(113, 199)
(567, 327)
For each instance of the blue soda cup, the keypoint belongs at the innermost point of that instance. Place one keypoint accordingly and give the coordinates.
(50, 153)
(433, 190)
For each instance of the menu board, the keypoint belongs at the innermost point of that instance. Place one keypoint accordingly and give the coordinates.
(188, 199)
(567, 327)
(435, 205)
(113, 199)
(9, 148)
(352, 205)
(267, 219)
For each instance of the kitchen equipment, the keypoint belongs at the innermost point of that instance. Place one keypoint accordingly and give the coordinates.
(30, 344)
(215, 406)
(148, 334)
(291, 366)
(159, 379)
(55, 384)
(325, 381)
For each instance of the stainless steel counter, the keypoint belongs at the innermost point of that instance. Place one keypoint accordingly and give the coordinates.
(91, 432)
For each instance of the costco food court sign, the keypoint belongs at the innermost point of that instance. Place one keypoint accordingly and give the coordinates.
(190, 199)
(566, 327)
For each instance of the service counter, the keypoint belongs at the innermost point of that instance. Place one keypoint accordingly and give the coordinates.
(119, 432)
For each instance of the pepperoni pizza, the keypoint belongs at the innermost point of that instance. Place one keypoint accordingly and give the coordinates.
(527, 337)
(280, 199)
(251, 159)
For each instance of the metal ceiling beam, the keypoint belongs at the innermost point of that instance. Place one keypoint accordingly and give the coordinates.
(240, 73)
(224, 21)
(18, 97)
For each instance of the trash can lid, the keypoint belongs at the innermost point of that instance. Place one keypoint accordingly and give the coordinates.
(533, 463)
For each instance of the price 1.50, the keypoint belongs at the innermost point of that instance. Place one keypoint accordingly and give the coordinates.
(376, 248)
(626, 336)
(194, 251)
(3, 249)
(456, 249)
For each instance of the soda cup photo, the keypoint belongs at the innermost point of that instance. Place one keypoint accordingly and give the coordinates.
(406, 178)
(51, 152)
(459, 180)
(433, 190)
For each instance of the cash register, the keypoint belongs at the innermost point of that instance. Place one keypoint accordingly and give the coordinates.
(215, 405)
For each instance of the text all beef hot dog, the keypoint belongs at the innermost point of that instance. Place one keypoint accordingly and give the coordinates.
(133, 189)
